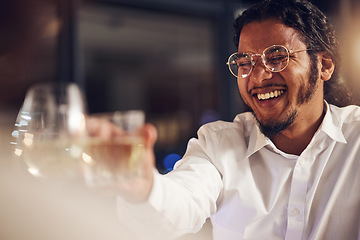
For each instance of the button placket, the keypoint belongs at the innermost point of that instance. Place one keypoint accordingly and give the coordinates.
(297, 200)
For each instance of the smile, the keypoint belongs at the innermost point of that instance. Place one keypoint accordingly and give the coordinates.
(269, 95)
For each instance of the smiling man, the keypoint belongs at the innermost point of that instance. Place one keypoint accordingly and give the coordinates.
(283, 89)
(286, 90)
(289, 168)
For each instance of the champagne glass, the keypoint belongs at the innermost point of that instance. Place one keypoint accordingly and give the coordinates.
(49, 129)
(113, 151)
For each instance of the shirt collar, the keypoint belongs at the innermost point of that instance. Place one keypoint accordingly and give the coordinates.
(330, 125)
(257, 140)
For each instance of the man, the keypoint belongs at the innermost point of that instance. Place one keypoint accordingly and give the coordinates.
(289, 169)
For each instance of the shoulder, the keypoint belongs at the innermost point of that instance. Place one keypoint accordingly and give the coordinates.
(221, 136)
(222, 142)
(242, 124)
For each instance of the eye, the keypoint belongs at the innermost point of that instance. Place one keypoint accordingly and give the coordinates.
(242, 63)
(276, 58)
(244, 60)
(276, 55)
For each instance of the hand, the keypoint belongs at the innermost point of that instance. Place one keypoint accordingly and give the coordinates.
(139, 189)
(135, 189)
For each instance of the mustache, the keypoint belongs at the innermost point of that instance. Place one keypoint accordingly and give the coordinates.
(266, 86)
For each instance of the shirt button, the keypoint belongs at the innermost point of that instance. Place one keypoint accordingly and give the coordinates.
(301, 162)
(294, 212)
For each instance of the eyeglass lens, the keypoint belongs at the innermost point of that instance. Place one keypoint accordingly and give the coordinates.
(275, 58)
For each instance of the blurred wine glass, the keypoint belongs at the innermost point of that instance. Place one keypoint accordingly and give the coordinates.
(49, 128)
(113, 151)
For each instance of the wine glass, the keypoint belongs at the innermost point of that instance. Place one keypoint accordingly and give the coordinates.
(49, 129)
(113, 151)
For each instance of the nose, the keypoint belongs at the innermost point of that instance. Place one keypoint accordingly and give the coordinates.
(259, 72)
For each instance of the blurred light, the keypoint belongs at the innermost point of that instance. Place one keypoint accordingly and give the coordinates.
(88, 159)
(76, 122)
(15, 133)
(18, 152)
(26, 117)
(28, 139)
(170, 160)
(34, 171)
(76, 118)
(24, 123)
(52, 28)
(75, 151)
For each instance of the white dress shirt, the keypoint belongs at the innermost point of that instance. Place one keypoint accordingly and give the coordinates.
(250, 189)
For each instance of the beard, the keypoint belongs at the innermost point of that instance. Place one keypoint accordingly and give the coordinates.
(271, 128)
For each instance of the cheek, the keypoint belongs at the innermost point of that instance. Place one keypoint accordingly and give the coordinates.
(242, 91)
(242, 85)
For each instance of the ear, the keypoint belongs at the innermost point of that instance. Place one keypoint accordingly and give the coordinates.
(327, 66)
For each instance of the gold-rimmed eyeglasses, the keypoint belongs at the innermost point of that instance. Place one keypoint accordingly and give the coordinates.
(275, 58)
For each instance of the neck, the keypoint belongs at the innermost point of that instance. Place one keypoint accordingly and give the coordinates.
(297, 136)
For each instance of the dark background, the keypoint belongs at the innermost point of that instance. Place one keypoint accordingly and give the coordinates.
(164, 57)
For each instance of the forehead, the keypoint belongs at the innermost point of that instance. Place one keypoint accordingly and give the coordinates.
(256, 36)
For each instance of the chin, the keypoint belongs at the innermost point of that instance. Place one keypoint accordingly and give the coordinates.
(273, 127)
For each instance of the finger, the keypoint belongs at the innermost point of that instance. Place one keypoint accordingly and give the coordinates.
(102, 128)
(92, 126)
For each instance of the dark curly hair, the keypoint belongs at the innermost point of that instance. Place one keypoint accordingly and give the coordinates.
(316, 32)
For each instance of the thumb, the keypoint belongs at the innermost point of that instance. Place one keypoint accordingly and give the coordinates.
(150, 135)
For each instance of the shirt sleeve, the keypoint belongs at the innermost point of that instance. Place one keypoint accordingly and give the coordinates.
(180, 201)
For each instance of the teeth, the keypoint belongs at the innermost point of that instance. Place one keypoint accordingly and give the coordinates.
(269, 95)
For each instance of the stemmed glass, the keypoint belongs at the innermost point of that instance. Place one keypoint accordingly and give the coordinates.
(49, 129)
